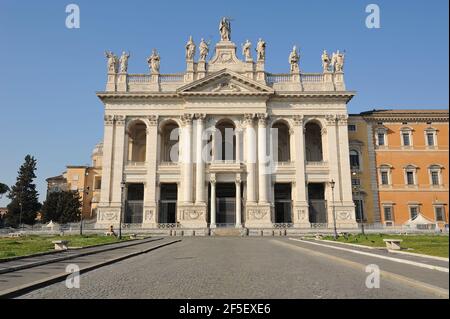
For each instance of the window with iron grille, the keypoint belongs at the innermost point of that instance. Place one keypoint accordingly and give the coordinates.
(413, 211)
(388, 213)
(430, 139)
(410, 178)
(439, 213)
(406, 139)
(381, 140)
(384, 178)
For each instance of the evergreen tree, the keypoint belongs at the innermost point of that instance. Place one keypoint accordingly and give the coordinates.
(23, 195)
(62, 207)
(3, 189)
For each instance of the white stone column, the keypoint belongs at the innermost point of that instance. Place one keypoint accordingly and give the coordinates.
(200, 164)
(346, 214)
(300, 214)
(238, 201)
(238, 134)
(150, 207)
(119, 158)
(108, 140)
(333, 151)
(250, 157)
(344, 160)
(262, 158)
(212, 222)
(186, 165)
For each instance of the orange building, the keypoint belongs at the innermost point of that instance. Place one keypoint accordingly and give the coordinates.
(411, 158)
(86, 180)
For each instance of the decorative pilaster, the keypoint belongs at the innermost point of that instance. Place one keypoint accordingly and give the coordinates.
(212, 222)
(238, 133)
(186, 157)
(259, 215)
(118, 159)
(200, 165)
(122, 82)
(150, 206)
(345, 214)
(262, 158)
(300, 214)
(250, 157)
(238, 201)
(191, 215)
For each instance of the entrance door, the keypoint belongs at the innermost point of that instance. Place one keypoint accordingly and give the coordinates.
(283, 203)
(168, 204)
(134, 205)
(317, 203)
(225, 204)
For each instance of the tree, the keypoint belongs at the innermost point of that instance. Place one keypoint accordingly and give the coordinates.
(3, 189)
(24, 197)
(62, 207)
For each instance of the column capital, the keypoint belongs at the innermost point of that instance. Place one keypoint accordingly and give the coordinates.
(262, 119)
(342, 119)
(200, 116)
(119, 119)
(248, 119)
(212, 179)
(298, 120)
(331, 119)
(109, 119)
(152, 120)
(186, 119)
(238, 179)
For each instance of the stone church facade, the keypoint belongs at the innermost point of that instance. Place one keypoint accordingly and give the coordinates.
(226, 144)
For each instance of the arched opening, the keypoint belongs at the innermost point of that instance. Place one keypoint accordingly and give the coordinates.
(282, 148)
(169, 142)
(313, 141)
(225, 145)
(137, 141)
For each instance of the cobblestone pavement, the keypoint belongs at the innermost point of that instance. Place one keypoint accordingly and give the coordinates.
(230, 268)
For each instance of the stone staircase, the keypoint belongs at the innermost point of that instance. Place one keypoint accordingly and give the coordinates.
(227, 232)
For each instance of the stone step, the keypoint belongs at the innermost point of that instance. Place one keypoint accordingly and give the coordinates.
(228, 232)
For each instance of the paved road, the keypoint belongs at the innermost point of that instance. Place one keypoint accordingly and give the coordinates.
(247, 268)
(11, 282)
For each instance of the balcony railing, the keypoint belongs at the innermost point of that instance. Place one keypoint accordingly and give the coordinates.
(225, 162)
(167, 163)
(317, 163)
(179, 77)
(312, 77)
(278, 78)
(139, 78)
(135, 164)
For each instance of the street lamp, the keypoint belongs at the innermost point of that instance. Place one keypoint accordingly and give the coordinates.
(332, 183)
(81, 214)
(357, 188)
(122, 186)
(20, 214)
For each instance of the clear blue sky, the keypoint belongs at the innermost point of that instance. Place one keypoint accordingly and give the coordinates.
(49, 74)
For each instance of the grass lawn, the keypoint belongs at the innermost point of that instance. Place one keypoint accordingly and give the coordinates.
(434, 245)
(12, 247)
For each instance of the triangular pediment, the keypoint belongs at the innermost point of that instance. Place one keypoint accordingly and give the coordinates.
(225, 82)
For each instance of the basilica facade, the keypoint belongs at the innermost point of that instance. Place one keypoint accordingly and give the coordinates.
(226, 144)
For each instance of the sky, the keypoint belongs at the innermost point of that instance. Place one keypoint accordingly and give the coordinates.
(49, 73)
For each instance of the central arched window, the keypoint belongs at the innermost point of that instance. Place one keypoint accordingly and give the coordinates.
(313, 142)
(137, 141)
(282, 150)
(225, 141)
